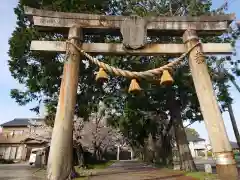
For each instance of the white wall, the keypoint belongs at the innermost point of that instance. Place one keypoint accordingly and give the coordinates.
(195, 146)
(191, 147)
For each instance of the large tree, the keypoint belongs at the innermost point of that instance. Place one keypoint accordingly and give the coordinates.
(192, 132)
(41, 72)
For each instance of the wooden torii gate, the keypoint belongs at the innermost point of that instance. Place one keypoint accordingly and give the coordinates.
(189, 28)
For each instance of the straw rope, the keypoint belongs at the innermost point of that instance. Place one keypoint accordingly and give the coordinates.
(133, 74)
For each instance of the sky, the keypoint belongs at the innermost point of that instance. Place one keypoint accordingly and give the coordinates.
(9, 109)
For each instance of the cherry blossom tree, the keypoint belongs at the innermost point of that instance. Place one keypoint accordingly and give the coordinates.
(39, 131)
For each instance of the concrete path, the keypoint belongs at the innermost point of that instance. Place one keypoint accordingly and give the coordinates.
(133, 170)
(19, 172)
(200, 162)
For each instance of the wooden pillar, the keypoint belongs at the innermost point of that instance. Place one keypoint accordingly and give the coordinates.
(206, 153)
(132, 154)
(226, 165)
(60, 155)
(118, 152)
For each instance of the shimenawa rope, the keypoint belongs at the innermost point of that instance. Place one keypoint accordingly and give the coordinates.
(133, 74)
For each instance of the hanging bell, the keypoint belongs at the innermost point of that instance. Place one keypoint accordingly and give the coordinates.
(101, 75)
(134, 87)
(166, 78)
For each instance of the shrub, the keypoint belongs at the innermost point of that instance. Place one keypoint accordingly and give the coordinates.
(209, 154)
(5, 161)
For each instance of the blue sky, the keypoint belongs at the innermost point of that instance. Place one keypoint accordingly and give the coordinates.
(10, 110)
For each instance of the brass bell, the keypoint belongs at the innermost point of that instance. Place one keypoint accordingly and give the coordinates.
(134, 87)
(166, 78)
(101, 75)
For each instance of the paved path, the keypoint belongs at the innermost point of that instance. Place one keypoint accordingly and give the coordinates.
(201, 162)
(133, 170)
(19, 172)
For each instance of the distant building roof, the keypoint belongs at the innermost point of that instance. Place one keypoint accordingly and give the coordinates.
(193, 138)
(20, 122)
(234, 145)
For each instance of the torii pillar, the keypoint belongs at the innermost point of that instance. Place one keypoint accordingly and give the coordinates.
(225, 162)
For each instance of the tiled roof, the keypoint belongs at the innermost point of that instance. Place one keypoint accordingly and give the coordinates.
(193, 138)
(19, 140)
(19, 122)
(234, 145)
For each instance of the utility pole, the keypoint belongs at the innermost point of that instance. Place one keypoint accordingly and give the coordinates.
(235, 84)
(234, 124)
(230, 109)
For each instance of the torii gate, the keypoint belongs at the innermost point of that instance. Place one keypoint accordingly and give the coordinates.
(188, 27)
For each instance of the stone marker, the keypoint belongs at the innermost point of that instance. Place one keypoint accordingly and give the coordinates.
(208, 168)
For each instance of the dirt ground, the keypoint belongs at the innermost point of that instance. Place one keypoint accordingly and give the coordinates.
(133, 170)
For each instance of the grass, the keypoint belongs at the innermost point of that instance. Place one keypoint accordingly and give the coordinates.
(197, 175)
(101, 165)
(201, 175)
(82, 178)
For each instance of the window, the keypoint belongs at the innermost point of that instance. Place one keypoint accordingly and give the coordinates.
(2, 150)
(21, 132)
(32, 130)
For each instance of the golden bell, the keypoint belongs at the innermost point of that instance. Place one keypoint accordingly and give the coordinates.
(101, 75)
(166, 78)
(134, 87)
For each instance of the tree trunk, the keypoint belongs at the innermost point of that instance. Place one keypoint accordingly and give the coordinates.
(155, 154)
(99, 154)
(95, 152)
(167, 149)
(234, 124)
(162, 152)
(187, 162)
(150, 149)
(80, 156)
(186, 159)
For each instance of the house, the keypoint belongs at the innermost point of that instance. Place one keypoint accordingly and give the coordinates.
(198, 146)
(15, 140)
(234, 145)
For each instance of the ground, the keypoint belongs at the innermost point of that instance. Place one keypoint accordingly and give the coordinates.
(134, 170)
(120, 170)
(19, 172)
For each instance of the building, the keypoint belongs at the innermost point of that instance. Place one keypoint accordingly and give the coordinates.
(16, 141)
(198, 146)
(234, 145)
